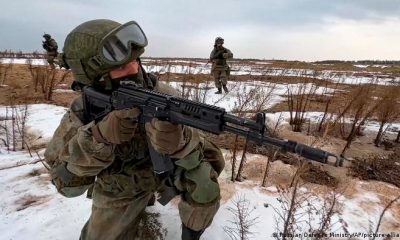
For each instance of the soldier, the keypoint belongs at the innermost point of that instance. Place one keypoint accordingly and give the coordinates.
(51, 47)
(111, 156)
(220, 69)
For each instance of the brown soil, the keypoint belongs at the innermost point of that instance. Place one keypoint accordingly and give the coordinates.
(19, 88)
(319, 176)
(30, 201)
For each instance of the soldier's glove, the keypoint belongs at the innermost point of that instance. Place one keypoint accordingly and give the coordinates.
(117, 127)
(220, 54)
(67, 183)
(166, 137)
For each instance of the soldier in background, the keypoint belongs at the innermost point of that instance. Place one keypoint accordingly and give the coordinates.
(220, 69)
(51, 47)
(111, 156)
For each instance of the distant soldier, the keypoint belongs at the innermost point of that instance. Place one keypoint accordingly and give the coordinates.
(220, 69)
(51, 47)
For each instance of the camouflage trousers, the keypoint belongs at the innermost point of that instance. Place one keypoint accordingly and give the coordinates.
(51, 59)
(117, 207)
(220, 78)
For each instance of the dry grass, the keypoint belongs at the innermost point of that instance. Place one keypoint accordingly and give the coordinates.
(385, 169)
(20, 84)
(150, 227)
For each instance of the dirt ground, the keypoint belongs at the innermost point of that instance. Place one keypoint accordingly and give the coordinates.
(19, 87)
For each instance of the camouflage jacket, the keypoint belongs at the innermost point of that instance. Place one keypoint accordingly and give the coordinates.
(51, 46)
(218, 58)
(115, 165)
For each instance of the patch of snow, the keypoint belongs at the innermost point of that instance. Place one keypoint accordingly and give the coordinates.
(24, 61)
(360, 66)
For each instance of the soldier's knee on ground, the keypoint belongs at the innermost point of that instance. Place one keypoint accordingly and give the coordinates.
(197, 217)
(197, 178)
(201, 194)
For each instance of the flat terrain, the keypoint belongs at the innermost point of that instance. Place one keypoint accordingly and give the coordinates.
(282, 82)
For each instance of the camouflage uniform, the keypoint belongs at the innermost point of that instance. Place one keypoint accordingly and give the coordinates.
(51, 47)
(121, 175)
(220, 69)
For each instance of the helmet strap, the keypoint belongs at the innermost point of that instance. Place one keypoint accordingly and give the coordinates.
(77, 67)
(107, 82)
(95, 63)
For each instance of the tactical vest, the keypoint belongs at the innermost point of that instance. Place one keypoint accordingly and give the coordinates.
(220, 61)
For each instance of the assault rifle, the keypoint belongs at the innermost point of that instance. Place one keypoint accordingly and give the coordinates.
(45, 46)
(201, 116)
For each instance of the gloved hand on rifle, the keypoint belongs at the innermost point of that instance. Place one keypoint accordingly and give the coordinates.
(166, 137)
(117, 127)
(45, 46)
(220, 54)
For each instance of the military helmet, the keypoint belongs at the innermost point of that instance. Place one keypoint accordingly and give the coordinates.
(219, 40)
(96, 47)
(46, 36)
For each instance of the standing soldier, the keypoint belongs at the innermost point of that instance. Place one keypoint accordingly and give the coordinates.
(111, 156)
(220, 69)
(51, 47)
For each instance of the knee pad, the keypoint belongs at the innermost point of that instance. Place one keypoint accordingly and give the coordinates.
(197, 178)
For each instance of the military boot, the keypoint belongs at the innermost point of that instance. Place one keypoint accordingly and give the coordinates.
(189, 234)
(219, 91)
(225, 89)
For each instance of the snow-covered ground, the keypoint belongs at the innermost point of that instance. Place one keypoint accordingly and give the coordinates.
(205, 92)
(315, 117)
(259, 69)
(31, 208)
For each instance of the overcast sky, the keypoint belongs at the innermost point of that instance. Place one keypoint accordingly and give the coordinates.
(267, 29)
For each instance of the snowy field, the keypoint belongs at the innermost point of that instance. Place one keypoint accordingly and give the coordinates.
(259, 69)
(32, 209)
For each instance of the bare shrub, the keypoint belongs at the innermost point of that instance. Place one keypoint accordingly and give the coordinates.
(243, 102)
(388, 111)
(272, 152)
(363, 107)
(5, 70)
(150, 227)
(301, 211)
(275, 127)
(46, 79)
(323, 216)
(243, 219)
(387, 207)
(298, 100)
(385, 169)
(328, 104)
(14, 128)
